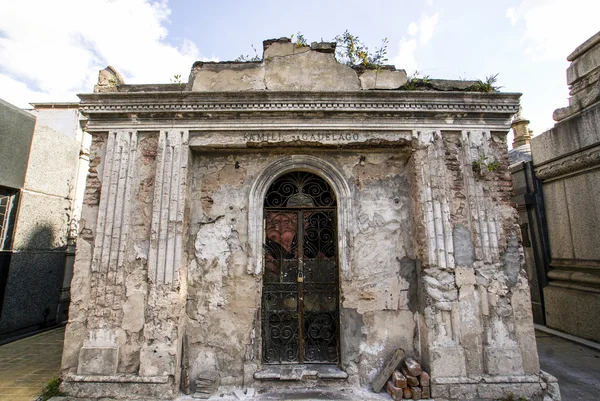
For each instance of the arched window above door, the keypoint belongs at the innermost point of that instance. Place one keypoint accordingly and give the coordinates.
(300, 189)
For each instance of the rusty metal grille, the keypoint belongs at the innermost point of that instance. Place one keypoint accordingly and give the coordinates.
(300, 312)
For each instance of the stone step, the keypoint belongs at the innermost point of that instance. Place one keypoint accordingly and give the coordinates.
(301, 372)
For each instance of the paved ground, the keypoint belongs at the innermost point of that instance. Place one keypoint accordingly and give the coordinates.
(27, 365)
(576, 367)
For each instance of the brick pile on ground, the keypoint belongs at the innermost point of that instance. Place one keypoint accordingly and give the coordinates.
(409, 381)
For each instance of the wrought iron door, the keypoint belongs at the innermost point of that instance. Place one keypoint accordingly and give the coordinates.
(300, 312)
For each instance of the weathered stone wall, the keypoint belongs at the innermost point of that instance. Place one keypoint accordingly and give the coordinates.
(223, 297)
(286, 66)
(113, 157)
(475, 300)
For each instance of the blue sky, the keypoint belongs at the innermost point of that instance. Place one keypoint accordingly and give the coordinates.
(51, 50)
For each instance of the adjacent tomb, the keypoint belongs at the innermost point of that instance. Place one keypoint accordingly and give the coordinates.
(566, 160)
(294, 219)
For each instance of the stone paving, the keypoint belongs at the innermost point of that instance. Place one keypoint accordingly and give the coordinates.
(576, 366)
(26, 365)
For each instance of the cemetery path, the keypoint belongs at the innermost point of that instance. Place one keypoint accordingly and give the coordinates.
(26, 365)
(576, 366)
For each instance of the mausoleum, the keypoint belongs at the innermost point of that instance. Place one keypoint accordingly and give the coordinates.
(296, 220)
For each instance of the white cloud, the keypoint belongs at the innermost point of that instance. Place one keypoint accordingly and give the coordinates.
(554, 28)
(427, 26)
(57, 50)
(406, 55)
(20, 95)
(413, 29)
(420, 33)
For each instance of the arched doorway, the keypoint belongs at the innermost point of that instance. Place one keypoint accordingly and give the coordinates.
(300, 308)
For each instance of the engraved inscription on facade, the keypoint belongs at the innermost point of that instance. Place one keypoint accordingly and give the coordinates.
(305, 136)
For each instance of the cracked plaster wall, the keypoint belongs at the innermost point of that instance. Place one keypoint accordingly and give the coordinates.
(435, 265)
(223, 307)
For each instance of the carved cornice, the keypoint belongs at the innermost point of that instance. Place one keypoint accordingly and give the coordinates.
(295, 106)
(94, 105)
(569, 165)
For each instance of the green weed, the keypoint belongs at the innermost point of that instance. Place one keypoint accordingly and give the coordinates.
(51, 390)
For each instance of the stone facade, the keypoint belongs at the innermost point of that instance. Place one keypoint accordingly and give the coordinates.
(566, 160)
(170, 262)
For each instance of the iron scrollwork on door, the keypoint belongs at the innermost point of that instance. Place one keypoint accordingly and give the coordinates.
(300, 311)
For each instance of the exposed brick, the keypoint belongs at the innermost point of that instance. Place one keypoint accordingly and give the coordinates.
(395, 392)
(416, 393)
(412, 367)
(399, 379)
(410, 379)
(424, 379)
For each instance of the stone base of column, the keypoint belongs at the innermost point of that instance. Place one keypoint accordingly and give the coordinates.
(482, 388)
(133, 387)
(447, 361)
(503, 360)
(98, 360)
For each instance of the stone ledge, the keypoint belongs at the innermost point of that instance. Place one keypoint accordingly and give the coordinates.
(301, 372)
(584, 47)
(133, 386)
(569, 164)
(119, 378)
(490, 379)
(533, 387)
(589, 277)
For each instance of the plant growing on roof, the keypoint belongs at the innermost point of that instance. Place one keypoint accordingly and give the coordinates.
(349, 50)
(415, 82)
(380, 55)
(352, 51)
(177, 79)
(488, 85)
(300, 39)
(248, 58)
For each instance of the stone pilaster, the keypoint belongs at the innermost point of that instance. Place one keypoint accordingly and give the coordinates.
(99, 354)
(435, 246)
(497, 260)
(161, 353)
(169, 201)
